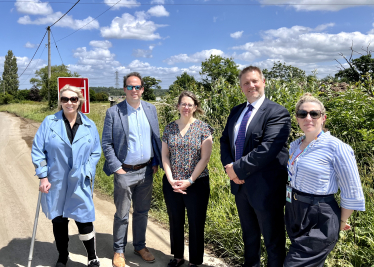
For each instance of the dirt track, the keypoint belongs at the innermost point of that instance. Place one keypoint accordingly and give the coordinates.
(18, 197)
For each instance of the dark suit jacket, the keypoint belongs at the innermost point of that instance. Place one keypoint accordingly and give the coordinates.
(116, 135)
(263, 164)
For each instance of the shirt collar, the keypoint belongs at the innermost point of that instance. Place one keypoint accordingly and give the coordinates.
(78, 120)
(257, 104)
(130, 109)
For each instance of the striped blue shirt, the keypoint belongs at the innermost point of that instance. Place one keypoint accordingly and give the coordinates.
(328, 164)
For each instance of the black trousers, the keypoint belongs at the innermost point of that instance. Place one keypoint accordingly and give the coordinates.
(313, 231)
(196, 203)
(61, 234)
(269, 223)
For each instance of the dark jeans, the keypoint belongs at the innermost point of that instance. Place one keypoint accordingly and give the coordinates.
(61, 233)
(313, 231)
(196, 203)
(269, 223)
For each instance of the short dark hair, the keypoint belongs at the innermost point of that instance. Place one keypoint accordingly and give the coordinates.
(136, 74)
(251, 68)
(195, 100)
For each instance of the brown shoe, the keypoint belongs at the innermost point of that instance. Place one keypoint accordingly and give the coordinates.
(146, 255)
(118, 260)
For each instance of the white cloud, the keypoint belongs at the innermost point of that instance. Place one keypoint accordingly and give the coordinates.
(314, 5)
(197, 57)
(100, 57)
(161, 2)
(33, 7)
(30, 45)
(132, 27)
(123, 3)
(215, 19)
(158, 11)
(236, 35)
(101, 44)
(302, 45)
(65, 22)
(142, 53)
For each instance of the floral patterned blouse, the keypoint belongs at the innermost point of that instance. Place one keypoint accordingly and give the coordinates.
(185, 152)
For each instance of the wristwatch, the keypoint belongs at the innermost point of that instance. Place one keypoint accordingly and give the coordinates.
(190, 180)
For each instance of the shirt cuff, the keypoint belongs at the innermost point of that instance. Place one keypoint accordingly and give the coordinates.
(118, 169)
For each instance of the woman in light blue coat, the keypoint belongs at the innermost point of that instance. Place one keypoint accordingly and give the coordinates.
(65, 152)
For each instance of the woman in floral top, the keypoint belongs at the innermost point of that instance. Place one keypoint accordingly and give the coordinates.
(186, 148)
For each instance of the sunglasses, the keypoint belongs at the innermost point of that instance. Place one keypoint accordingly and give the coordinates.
(65, 99)
(130, 87)
(314, 114)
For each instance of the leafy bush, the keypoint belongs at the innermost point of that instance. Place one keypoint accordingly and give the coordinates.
(5, 98)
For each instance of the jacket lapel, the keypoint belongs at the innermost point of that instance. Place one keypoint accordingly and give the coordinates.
(122, 112)
(83, 130)
(232, 123)
(148, 114)
(58, 127)
(258, 116)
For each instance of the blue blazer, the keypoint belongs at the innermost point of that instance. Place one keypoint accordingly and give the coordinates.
(116, 135)
(70, 168)
(263, 164)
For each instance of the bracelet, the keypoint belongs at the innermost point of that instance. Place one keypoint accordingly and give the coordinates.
(190, 180)
(343, 221)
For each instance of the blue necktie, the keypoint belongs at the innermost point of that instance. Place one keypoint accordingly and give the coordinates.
(240, 139)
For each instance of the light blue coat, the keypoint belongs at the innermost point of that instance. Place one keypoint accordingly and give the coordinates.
(70, 168)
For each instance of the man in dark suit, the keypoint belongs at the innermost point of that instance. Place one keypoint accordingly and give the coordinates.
(254, 154)
(132, 148)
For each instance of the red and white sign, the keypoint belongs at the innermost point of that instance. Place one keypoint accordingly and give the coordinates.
(79, 82)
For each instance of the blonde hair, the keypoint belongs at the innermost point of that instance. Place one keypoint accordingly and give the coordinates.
(73, 89)
(308, 97)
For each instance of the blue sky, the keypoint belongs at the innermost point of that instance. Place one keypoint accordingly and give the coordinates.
(164, 38)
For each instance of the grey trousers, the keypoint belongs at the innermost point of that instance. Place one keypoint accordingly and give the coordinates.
(136, 186)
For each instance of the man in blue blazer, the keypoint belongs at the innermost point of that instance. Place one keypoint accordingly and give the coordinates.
(254, 154)
(132, 148)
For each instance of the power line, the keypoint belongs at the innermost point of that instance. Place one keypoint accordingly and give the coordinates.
(207, 4)
(57, 48)
(33, 55)
(65, 14)
(88, 22)
(23, 82)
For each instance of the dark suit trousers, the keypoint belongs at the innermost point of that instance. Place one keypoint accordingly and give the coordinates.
(254, 222)
(196, 203)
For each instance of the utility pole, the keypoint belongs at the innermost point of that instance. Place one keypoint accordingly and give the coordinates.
(49, 61)
(117, 84)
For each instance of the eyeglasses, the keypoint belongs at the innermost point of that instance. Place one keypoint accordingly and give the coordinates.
(314, 114)
(130, 87)
(65, 99)
(184, 105)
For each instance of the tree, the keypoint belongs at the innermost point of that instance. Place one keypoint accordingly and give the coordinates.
(10, 74)
(92, 95)
(23, 94)
(185, 81)
(216, 66)
(283, 72)
(150, 84)
(358, 67)
(34, 94)
(42, 81)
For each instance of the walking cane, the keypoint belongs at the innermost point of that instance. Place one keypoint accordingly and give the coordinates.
(34, 231)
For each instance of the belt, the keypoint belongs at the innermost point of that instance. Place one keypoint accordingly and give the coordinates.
(312, 200)
(136, 167)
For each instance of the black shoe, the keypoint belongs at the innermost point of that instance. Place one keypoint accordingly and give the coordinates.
(94, 263)
(175, 263)
(60, 264)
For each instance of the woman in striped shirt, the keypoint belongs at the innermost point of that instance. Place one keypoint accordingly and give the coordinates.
(319, 164)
